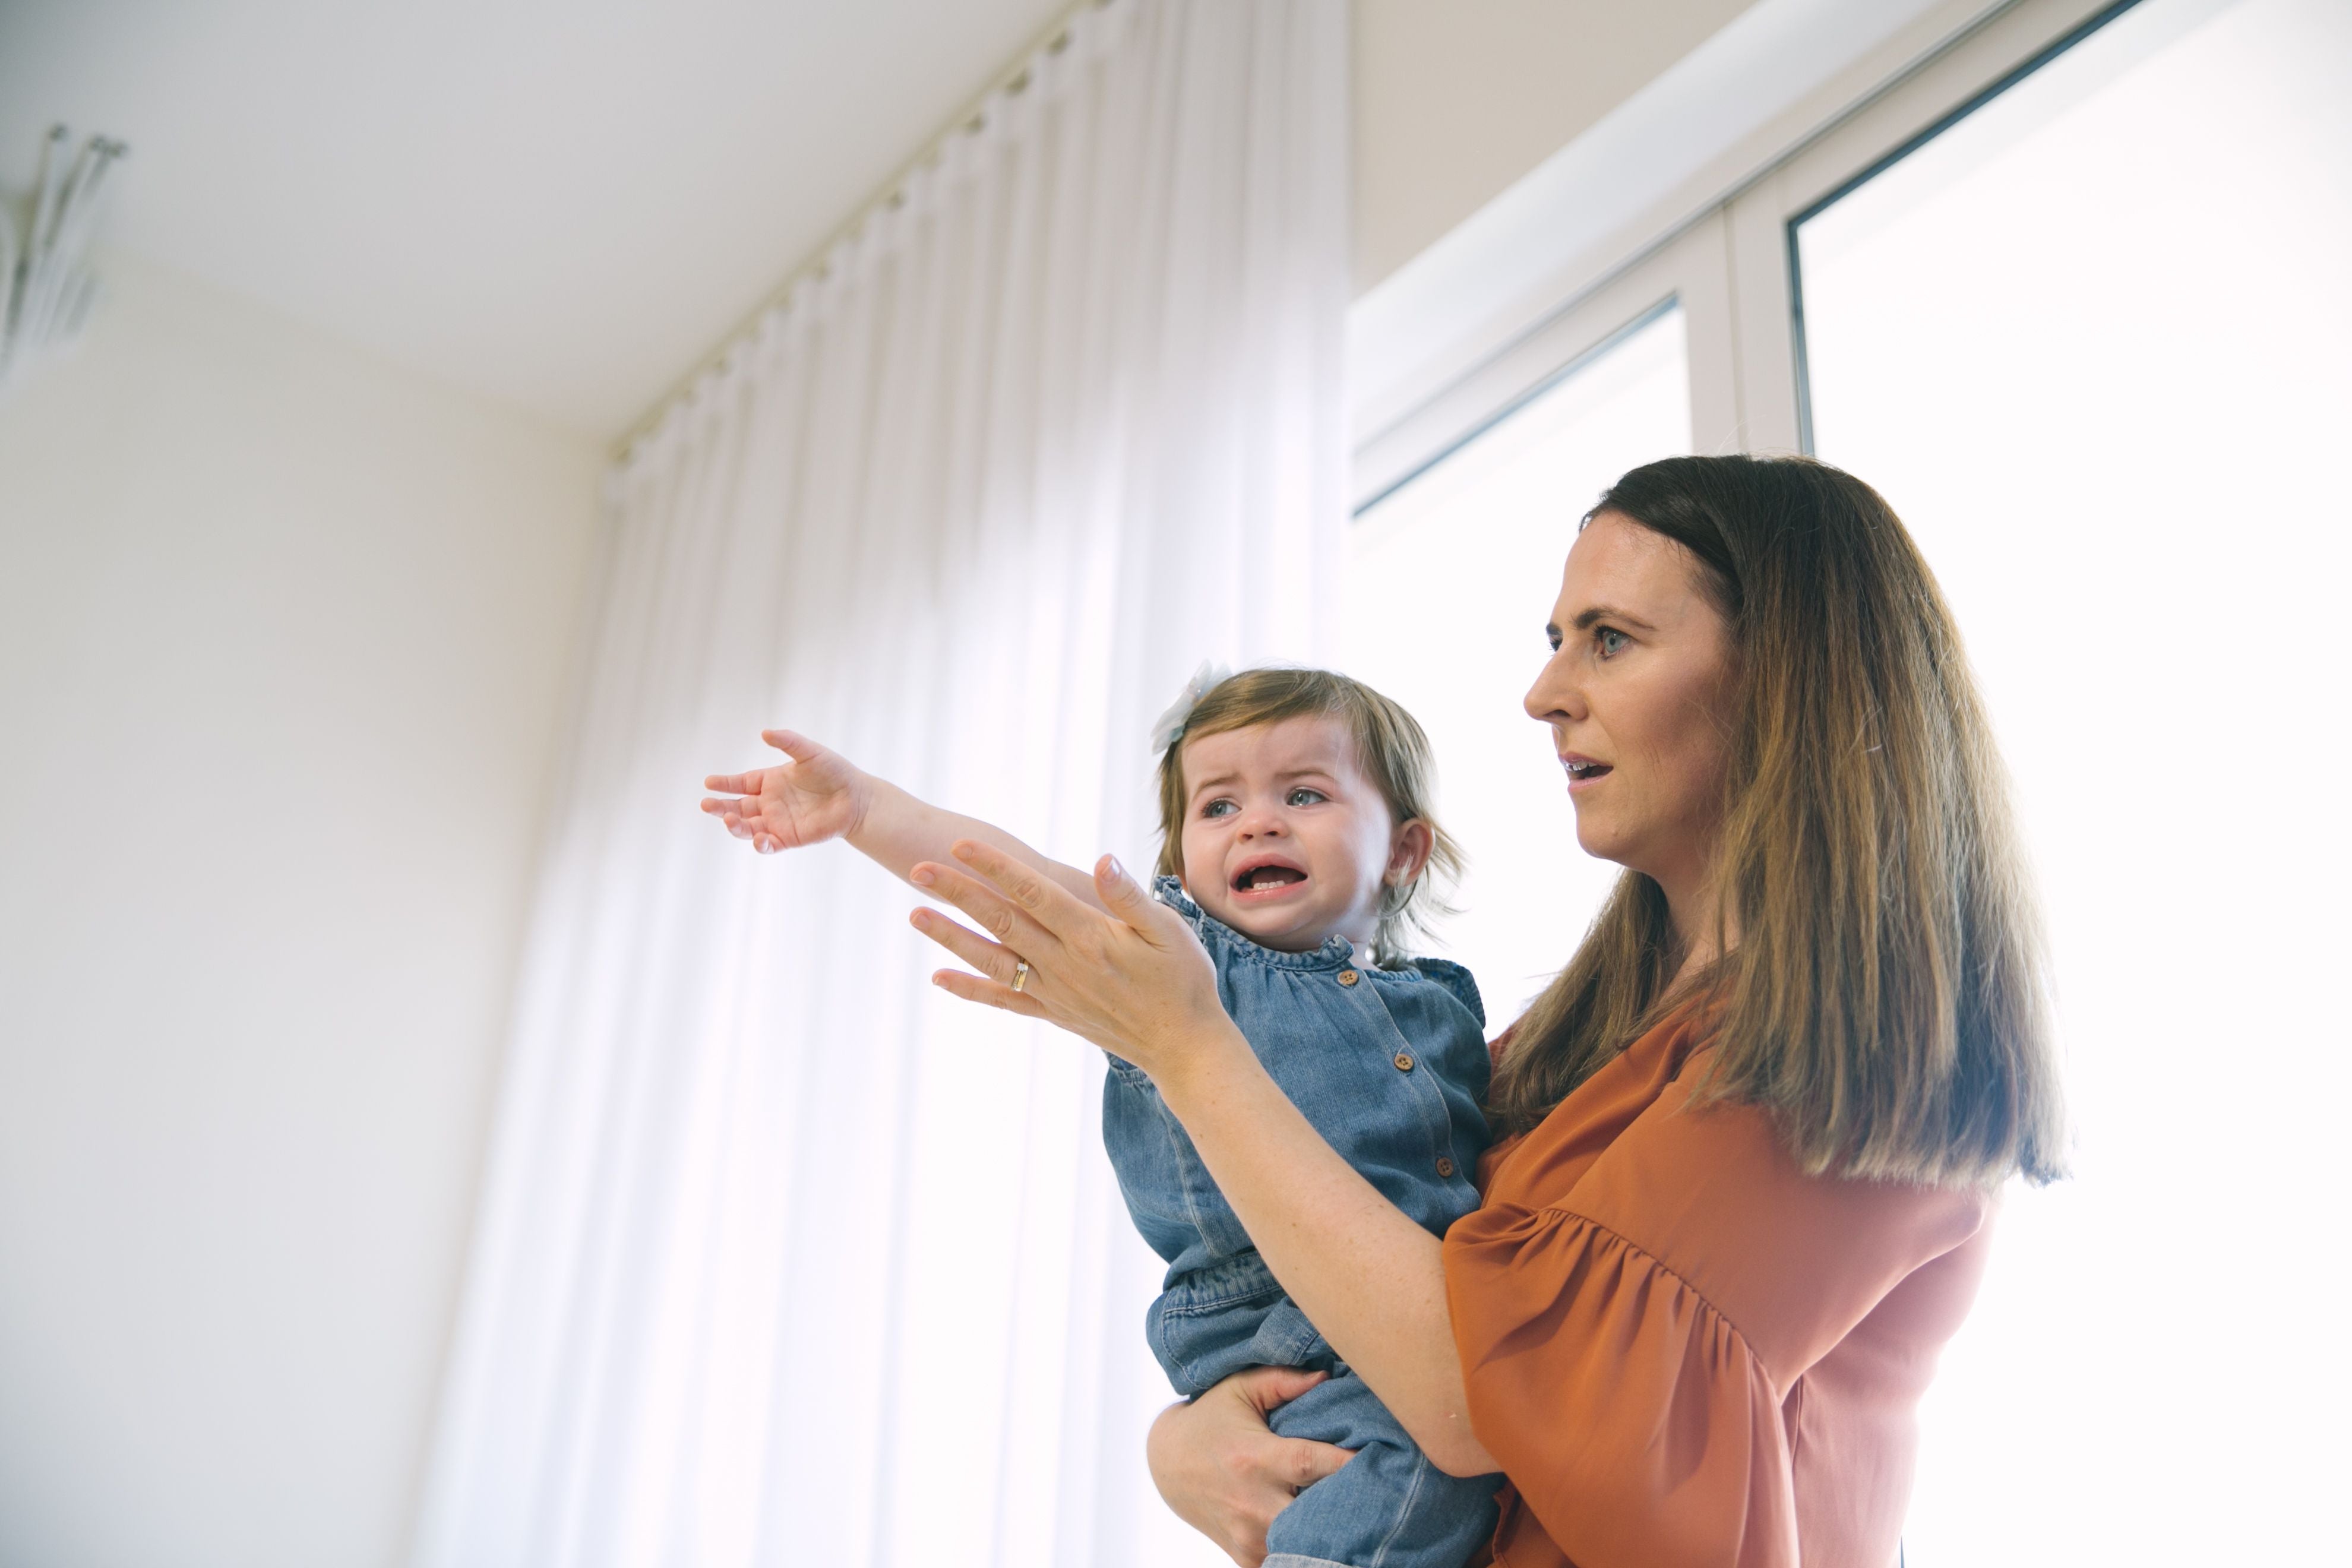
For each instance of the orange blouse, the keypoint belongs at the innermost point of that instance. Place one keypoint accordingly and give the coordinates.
(1685, 1350)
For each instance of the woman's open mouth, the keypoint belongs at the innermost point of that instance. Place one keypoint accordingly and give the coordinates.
(1583, 770)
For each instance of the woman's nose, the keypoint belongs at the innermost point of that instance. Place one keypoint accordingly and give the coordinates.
(1553, 696)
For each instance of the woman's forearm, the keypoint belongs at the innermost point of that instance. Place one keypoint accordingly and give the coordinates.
(1368, 1277)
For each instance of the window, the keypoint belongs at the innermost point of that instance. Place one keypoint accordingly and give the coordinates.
(2074, 289)
(1424, 626)
(2095, 344)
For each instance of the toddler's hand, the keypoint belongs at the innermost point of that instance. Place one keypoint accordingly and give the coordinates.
(816, 795)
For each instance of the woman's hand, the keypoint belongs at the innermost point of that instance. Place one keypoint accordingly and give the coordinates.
(1133, 980)
(816, 795)
(1223, 1472)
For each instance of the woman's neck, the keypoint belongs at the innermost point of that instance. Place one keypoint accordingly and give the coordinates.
(1702, 934)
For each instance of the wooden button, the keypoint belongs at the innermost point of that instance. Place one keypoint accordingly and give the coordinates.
(1403, 1062)
(1348, 977)
(1444, 1167)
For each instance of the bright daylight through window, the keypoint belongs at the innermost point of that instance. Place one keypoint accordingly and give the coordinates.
(2095, 344)
(1451, 579)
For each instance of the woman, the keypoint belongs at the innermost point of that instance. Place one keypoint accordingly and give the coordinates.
(1751, 1133)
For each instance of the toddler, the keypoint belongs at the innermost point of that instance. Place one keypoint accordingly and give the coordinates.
(1298, 843)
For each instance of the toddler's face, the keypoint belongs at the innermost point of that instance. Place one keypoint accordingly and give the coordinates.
(1286, 840)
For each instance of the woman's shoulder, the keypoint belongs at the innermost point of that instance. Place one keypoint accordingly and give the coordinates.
(1710, 1191)
(1553, 1156)
(1642, 1130)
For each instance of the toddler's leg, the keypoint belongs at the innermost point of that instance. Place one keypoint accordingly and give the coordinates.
(1388, 1507)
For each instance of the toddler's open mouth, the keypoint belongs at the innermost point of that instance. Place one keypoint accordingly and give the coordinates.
(1268, 879)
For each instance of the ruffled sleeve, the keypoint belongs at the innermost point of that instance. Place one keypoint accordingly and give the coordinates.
(1636, 1303)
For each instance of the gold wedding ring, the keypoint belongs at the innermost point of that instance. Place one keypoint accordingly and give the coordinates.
(1020, 974)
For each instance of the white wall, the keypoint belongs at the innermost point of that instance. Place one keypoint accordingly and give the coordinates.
(284, 636)
(1455, 101)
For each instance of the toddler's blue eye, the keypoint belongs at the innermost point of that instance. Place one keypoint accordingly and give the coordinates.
(1219, 808)
(1311, 796)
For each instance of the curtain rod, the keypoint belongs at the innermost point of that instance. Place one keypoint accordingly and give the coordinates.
(1010, 82)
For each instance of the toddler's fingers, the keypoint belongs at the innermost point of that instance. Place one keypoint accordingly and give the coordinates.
(797, 746)
(732, 784)
(1267, 1386)
(1303, 1462)
(731, 817)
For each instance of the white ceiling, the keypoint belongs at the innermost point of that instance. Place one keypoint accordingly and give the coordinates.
(558, 206)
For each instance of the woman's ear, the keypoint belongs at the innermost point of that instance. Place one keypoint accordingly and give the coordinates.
(1409, 851)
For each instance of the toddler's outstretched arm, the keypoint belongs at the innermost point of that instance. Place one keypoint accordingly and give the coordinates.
(820, 794)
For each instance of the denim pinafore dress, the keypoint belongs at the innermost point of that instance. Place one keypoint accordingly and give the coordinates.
(1390, 1067)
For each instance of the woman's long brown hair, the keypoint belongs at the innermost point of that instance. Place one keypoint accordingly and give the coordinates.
(1884, 998)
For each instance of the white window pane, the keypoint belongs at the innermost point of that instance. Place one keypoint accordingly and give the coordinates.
(1451, 579)
(2095, 344)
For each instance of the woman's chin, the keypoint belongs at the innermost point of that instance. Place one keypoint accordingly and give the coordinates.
(1618, 848)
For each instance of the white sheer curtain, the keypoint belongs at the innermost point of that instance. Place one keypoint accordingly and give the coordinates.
(784, 1257)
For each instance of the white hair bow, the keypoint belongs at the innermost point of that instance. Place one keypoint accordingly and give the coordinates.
(1168, 727)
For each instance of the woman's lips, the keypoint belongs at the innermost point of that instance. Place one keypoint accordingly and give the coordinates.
(1584, 772)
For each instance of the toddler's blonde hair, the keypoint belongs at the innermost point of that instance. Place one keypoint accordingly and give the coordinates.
(1390, 748)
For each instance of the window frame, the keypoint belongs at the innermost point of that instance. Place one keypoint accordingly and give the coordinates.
(1730, 264)
(1687, 270)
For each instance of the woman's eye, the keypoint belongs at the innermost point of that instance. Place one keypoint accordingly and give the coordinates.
(1551, 636)
(1219, 808)
(1608, 640)
(1302, 796)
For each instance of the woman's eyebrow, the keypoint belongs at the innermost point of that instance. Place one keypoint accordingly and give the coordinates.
(1599, 613)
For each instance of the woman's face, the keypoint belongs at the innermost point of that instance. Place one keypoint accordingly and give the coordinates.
(1637, 693)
